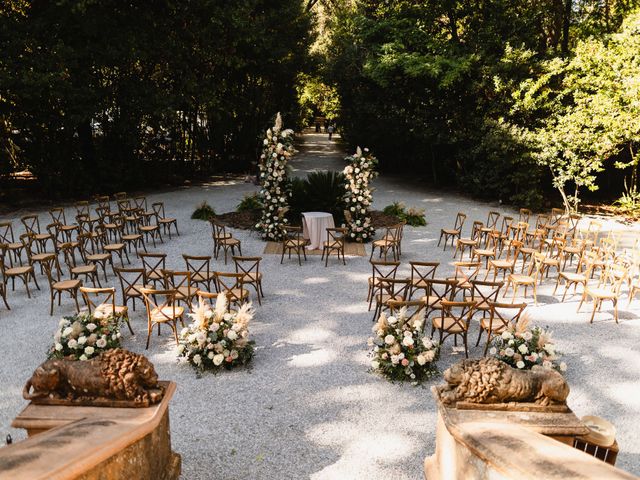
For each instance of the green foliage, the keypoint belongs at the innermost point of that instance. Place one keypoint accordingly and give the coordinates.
(250, 203)
(320, 191)
(316, 99)
(105, 95)
(413, 216)
(203, 212)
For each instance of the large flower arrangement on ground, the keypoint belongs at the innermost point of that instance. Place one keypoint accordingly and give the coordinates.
(83, 336)
(274, 195)
(400, 349)
(358, 198)
(217, 338)
(523, 347)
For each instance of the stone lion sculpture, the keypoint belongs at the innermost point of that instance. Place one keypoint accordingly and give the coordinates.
(490, 380)
(113, 375)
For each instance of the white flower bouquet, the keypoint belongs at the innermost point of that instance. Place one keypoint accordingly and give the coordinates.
(217, 338)
(274, 194)
(358, 197)
(523, 348)
(400, 349)
(83, 336)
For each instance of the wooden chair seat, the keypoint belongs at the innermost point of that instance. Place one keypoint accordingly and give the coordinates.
(521, 279)
(68, 228)
(383, 242)
(229, 241)
(164, 221)
(132, 236)
(485, 324)
(484, 252)
(431, 301)
(84, 269)
(598, 292)
(98, 257)
(252, 277)
(467, 241)
(384, 298)
(134, 290)
(105, 310)
(293, 243)
(332, 244)
(528, 250)
(14, 246)
(448, 324)
(482, 305)
(199, 277)
(166, 313)
(502, 263)
(573, 277)
(66, 285)
(450, 232)
(149, 228)
(17, 270)
(237, 294)
(39, 257)
(184, 293)
(114, 247)
(42, 236)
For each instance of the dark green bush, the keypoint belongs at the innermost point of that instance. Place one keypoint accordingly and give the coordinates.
(250, 203)
(319, 192)
(413, 216)
(203, 212)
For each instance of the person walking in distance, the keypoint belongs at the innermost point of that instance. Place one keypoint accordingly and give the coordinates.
(330, 130)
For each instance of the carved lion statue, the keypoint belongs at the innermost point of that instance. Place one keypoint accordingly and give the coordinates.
(113, 375)
(490, 380)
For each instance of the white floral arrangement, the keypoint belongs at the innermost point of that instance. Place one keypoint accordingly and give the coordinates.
(274, 194)
(217, 338)
(83, 336)
(358, 198)
(400, 349)
(523, 348)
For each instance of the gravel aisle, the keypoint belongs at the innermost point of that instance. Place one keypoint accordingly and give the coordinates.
(308, 408)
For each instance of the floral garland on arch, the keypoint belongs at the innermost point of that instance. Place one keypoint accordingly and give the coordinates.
(358, 198)
(400, 351)
(217, 338)
(276, 151)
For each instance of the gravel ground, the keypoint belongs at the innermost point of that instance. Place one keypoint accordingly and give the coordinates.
(308, 407)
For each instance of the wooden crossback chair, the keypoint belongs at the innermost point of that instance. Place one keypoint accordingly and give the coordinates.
(389, 242)
(37, 256)
(23, 272)
(380, 269)
(608, 289)
(232, 285)
(292, 241)
(131, 284)
(524, 214)
(463, 243)
(13, 248)
(58, 287)
(88, 271)
(387, 289)
(504, 265)
(162, 309)
(437, 290)
(181, 283)
(207, 297)
(58, 216)
(334, 243)
(502, 316)
(452, 233)
(116, 247)
(454, 319)
(93, 253)
(101, 303)
(530, 280)
(165, 222)
(201, 273)
(483, 294)
(465, 272)
(490, 226)
(32, 227)
(224, 241)
(249, 267)
(421, 272)
(3, 285)
(153, 264)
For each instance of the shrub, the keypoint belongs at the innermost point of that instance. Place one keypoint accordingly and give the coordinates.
(249, 203)
(321, 191)
(413, 216)
(203, 212)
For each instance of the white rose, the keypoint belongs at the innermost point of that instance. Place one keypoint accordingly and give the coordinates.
(389, 340)
(523, 349)
(547, 364)
(375, 364)
(506, 335)
(89, 350)
(509, 352)
(527, 336)
(72, 343)
(407, 341)
(83, 358)
(563, 367)
(520, 364)
(493, 350)
(227, 317)
(62, 323)
(232, 335)
(210, 355)
(421, 360)
(67, 331)
(218, 359)
(430, 355)
(392, 320)
(426, 341)
(91, 326)
(181, 348)
(58, 347)
(197, 359)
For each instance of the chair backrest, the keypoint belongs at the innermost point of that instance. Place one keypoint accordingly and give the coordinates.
(140, 203)
(573, 221)
(460, 219)
(524, 214)
(395, 288)
(199, 266)
(158, 208)
(67, 254)
(219, 229)
(103, 202)
(614, 276)
(504, 315)
(441, 289)
(161, 302)
(6, 233)
(247, 265)
(415, 308)
(82, 208)
(175, 280)
(31, 224)
(513, 249)
(460, 314)
(485, 292)
(153, 264)
(130, 280)
(226, 282)
(505, 226)
(556, 215)
(336, 236)
(393, 233)
(422, 271)
(94, 297)
(124, 205)
(57, 215)
(292, 236)
(466, 271)
(492, 219)
(206, 296)
(47, 265)
(120, 195)
(475, 229)
(542, 220)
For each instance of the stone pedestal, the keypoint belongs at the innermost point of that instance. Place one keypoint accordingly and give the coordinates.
(501, 445)
(93, 443)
